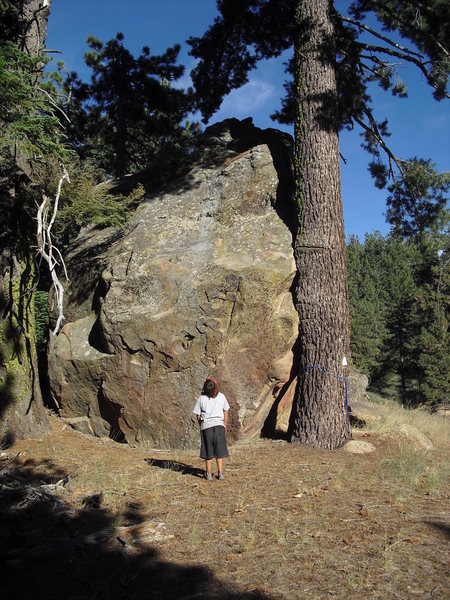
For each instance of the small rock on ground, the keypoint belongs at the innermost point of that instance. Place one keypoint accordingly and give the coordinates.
(359, 447)
(416, 436)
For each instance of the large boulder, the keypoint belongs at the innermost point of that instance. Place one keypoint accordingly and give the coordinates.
(197, 285)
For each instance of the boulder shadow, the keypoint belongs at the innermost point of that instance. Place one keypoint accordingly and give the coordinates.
(269, 429)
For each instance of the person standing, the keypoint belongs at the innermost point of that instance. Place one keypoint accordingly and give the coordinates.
(212, 410)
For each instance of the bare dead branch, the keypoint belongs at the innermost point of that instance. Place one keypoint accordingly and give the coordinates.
(53, 103)
(45, 246)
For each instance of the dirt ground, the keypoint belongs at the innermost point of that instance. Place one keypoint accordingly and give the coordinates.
(84, 518)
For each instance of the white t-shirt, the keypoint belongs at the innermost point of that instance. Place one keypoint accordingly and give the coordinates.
(211, 410)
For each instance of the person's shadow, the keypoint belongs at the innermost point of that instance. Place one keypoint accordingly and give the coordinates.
(174, 465)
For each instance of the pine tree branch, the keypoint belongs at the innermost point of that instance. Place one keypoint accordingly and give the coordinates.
(365, 67)
(396, 16)
(396, 53)
(380, 36)
(374, 131)
(401, 56)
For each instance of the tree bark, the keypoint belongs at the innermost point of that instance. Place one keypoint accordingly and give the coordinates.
(35, 14)
(22, 412)
(319, 415)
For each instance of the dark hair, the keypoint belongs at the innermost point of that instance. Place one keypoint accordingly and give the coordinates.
(210, 388)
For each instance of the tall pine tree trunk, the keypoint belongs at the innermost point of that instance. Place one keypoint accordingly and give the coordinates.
(319, 414)
(22, 412)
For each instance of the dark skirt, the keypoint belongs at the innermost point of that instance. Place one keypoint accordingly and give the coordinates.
(214, 443)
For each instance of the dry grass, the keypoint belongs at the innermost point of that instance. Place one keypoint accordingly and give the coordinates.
(287, 522)
(434, 426)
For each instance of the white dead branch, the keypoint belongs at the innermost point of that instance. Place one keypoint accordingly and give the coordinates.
(45, 246)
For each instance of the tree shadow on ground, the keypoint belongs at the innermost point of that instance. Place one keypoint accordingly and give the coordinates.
(174, 465)
(54, 548)
(444, 528)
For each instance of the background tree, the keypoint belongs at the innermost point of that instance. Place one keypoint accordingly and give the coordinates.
(408, 354)
(329, 73)
(417, 212)
(435, 357)
(434, 303)
(128, 116)
(417, 199)
(401, 347)
(367, 302)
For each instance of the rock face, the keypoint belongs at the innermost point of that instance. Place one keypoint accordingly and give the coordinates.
(197, 285)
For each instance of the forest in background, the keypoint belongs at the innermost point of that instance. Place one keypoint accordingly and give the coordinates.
(399, 310)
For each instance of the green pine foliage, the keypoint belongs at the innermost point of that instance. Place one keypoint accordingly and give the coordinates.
(367, 305)
(401, 347)
(435, 363)
(129, 117)
(89, 200)
(417, 198)
(26, 118)
(434, 304)
(400, 312)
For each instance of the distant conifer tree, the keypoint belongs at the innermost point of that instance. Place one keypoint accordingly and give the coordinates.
(129, 113)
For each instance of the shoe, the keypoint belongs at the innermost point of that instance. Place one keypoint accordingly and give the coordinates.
(221, 476)
(208, 476)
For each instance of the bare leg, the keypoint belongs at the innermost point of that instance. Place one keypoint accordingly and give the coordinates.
(208, 465)
(219, 465)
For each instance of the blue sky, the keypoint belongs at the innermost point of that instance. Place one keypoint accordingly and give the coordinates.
(420, 126)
